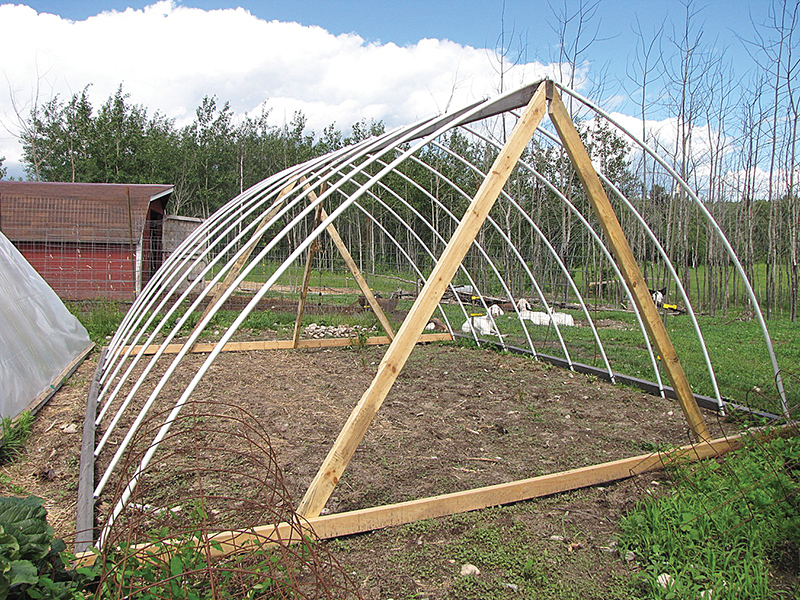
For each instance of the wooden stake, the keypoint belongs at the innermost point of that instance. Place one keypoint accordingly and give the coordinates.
(396, 356)
(237, 267)
(626, 261)
(301, 304)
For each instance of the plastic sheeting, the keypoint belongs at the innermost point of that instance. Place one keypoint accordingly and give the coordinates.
(39, 337)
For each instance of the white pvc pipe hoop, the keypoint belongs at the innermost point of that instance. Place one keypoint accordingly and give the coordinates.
(340, 180)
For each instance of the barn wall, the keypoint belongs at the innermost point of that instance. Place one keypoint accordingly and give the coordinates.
(84, 271)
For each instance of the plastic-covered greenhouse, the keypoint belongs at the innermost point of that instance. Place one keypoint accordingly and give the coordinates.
(41, 340)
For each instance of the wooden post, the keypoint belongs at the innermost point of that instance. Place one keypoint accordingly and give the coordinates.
(301, 304)
(626, 261)
(237, 267)
(84, 522)
(396, 356)
(202, 347)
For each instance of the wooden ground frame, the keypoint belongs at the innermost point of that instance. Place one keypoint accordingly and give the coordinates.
(391, 515)
(545, 100)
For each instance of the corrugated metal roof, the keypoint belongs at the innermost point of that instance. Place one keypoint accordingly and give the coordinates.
(53, 211)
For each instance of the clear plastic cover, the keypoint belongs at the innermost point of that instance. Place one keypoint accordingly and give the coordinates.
(39, 337)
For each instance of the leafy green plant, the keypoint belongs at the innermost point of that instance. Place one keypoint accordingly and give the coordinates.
(14, 436)
(33, 564)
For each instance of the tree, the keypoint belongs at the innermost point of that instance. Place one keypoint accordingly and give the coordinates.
(3, 169)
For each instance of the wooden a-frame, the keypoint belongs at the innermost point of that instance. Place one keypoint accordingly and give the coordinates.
(320, 215)
(352, 267)
(544, 100)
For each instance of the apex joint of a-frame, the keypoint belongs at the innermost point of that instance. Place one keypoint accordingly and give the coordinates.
(549, 89)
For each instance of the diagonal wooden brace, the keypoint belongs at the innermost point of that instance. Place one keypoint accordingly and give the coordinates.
(627, 262)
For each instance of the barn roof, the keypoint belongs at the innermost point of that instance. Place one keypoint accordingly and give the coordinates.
(52, 211)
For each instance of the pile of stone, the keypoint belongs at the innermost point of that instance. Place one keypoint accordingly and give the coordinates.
(337, 331)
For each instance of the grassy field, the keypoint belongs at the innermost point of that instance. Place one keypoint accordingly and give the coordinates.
(735, 345)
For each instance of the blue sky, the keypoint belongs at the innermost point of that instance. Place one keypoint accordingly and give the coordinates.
(476, 23)
(343, 61)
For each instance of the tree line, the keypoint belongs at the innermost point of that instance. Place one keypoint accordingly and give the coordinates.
(215, 157)
(735, 142)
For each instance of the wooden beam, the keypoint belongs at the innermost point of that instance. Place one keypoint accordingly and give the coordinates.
(379, 340)
(237, 267)
(359, 278)
(369, 519)
(396, 356)
(301, 303)
(84, 519)
(43, 398)
(626, 261)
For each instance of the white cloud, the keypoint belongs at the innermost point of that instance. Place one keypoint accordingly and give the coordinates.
(168, 57)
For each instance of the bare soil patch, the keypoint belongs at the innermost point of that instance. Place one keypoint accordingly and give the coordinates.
(458, 418)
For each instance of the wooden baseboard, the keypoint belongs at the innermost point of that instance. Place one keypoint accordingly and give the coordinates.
(288, 344)
(369, 519)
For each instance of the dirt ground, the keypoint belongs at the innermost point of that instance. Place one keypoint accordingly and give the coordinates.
(457, 418)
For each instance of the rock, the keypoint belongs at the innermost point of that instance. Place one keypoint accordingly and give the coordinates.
(557, 538)
(71, 428)
(630, 556)
(665, 580)
(511, 586)
(48, 474)
(468, 569)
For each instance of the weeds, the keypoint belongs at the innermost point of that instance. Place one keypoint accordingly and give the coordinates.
(723, 528)
(100, 319)
(14, 436)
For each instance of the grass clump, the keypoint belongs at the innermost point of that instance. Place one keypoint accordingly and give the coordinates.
(13, 436)
(100, 319)
(727, 531)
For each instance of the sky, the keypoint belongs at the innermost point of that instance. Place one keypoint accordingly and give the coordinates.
(339, 62)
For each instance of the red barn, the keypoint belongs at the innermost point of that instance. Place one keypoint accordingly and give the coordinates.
(87, 240)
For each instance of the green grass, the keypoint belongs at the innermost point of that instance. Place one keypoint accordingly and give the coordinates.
(728, 527)
(100, 319)
(15, 434)
(698, 281)
(736, 347)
